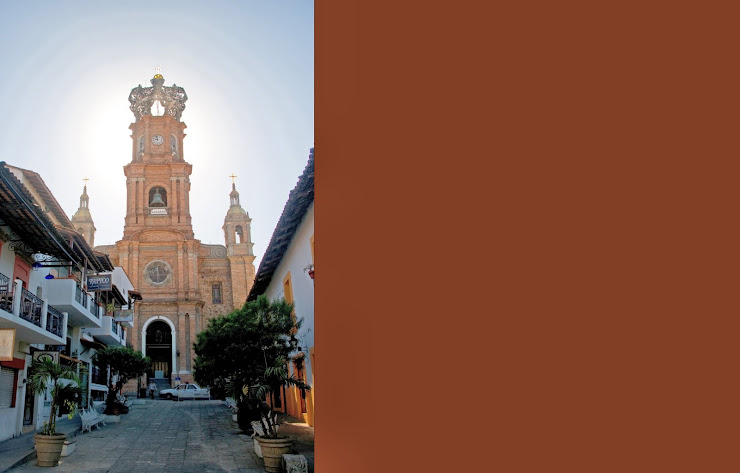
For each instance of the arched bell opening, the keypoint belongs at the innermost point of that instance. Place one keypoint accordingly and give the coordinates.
(157, 197)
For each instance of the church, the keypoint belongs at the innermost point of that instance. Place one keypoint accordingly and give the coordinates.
(183, 283)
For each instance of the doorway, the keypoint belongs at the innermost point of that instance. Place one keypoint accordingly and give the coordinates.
(28, 407)
(159, 349)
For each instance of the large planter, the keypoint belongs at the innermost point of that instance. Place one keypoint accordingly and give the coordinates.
(49, 448)
(272, 452)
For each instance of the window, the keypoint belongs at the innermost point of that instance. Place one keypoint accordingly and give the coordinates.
(287, 289)
(97, 376)
(216, 293)
(7, 386)
(288, 295)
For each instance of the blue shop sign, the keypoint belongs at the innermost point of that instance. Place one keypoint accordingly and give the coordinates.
(101, 282)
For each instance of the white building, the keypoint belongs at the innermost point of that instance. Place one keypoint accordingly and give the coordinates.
(286, 272)
(44, 262)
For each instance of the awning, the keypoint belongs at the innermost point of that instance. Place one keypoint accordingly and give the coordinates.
(83, 251)
(92, 343)
(34, 231)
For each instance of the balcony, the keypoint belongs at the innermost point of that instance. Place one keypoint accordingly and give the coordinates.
(66, 295)
(110, 333)
(34, 320)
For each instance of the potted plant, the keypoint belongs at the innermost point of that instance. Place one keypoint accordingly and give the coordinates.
(47, 374)
(237, 350)
(272, 444)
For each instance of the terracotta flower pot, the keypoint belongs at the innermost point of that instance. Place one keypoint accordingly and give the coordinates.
(49, 448)
(272, 452)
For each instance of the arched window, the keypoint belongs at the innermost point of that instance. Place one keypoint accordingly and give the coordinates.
(239, 233)
(173, 146)
(140, 150)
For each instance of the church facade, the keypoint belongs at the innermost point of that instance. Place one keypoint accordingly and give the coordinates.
(184, 283)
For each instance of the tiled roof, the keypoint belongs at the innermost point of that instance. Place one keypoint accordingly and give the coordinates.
(299, 200)
(34, 228)
(45, 193)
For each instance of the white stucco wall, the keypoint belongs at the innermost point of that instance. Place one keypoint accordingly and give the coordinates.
(296, 258)
(122, 281)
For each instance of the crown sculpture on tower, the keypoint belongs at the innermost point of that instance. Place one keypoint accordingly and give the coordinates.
(172, 98)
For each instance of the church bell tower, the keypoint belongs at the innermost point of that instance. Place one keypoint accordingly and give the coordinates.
(238, 238)
(82, 220)
(184, 283)
(158, 178)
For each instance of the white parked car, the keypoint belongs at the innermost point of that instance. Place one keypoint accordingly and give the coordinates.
(186, 391)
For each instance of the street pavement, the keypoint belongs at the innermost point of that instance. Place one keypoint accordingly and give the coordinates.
(168, 436)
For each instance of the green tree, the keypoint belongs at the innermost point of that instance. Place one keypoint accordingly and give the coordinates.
(246, 350)
(124, 362)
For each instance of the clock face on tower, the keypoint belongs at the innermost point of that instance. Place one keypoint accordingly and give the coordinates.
(157, 140)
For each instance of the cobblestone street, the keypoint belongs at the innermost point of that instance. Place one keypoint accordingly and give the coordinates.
(168, 436)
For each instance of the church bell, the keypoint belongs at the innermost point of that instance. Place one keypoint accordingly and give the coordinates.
(157, 200)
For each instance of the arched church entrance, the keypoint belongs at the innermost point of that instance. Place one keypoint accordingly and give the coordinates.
(159, 349)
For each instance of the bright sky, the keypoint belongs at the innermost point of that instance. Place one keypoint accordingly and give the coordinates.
(246, 66)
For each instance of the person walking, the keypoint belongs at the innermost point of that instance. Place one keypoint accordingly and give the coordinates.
(152, 388)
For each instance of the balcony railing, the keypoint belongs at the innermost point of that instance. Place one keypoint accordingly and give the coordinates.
(31, 307)
(114, 328)
(94, 308)
(54, 321)
(78, 294)
(5, 293)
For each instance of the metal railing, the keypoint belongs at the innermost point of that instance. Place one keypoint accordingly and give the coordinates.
(54, 321)
(114, 327)
(78, 293)
(31, 307)
(94, 308)
(6, 301)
